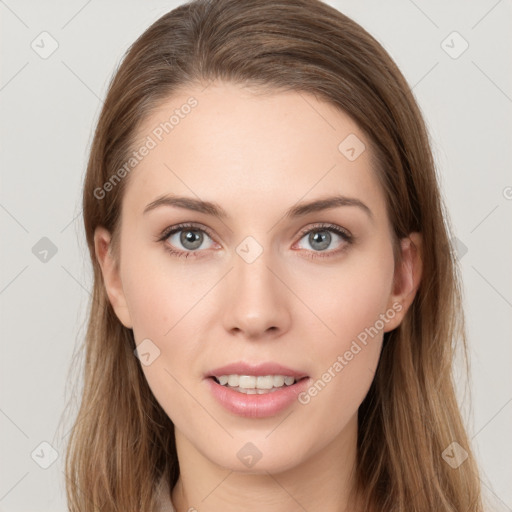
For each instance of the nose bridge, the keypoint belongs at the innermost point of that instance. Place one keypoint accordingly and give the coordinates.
(256, 302)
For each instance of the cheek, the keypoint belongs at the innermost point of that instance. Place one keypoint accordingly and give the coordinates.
(349, 297)
(159, 294)
(164, 306)
(353, 306)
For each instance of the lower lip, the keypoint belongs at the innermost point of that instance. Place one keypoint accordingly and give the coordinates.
(256, 406)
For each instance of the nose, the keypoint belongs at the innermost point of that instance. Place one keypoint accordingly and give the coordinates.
(257, 302)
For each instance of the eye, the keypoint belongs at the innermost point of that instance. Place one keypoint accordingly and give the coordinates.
(321, 237)
(185, 239)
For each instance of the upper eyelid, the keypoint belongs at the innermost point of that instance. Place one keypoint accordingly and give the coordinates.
(183, 226)
(328, 226)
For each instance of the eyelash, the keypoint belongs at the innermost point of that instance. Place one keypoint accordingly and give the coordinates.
(344, 234)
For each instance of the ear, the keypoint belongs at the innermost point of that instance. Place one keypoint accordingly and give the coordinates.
(406, 279)
(111, 275)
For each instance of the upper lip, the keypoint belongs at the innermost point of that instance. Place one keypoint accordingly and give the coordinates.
(255, 369)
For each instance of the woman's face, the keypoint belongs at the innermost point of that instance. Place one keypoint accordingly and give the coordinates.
(269, 286)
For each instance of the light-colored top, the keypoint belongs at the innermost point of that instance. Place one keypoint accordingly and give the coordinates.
(164, 500)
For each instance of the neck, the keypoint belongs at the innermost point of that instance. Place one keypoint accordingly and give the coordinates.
(326, 477)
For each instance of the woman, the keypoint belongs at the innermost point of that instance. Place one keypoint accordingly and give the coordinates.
(275, 303)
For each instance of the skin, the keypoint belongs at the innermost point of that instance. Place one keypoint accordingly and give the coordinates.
(257, 156)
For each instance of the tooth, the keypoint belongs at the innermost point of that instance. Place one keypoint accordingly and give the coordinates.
(251, 391)
(278, 381)
(247, 381)
(250, 382)
(233, 380)
(265, 382)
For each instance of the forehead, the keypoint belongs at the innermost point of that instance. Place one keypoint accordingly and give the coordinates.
(224, 142)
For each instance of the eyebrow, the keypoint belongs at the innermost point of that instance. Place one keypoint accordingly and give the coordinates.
(299, 210)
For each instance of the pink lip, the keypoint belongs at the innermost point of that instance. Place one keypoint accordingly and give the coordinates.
(256, 406)
(261, 369)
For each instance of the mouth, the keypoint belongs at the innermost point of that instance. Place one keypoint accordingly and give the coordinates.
(256, 384)
(256, 396)
(255, 390)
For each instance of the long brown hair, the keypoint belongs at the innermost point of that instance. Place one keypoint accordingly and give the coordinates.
(122, 441)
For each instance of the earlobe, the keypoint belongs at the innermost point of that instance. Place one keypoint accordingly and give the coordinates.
(407, 278)
(111, 275)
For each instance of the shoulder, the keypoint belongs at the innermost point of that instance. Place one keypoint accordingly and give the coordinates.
(164, 502)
